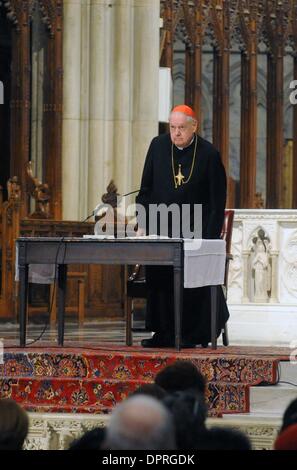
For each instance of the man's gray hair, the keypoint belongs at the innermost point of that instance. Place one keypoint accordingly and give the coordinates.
(188, 118)
(140, 423)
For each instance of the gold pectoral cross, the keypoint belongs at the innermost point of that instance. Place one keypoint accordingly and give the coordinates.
(179, 177)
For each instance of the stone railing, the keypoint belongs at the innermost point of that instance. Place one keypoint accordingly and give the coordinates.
(264, 248)
(52, 431)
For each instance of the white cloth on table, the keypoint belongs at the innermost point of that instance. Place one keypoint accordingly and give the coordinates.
(38, 273)
(204, 262)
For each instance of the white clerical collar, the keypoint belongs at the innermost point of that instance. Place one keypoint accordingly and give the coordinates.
(182, 148)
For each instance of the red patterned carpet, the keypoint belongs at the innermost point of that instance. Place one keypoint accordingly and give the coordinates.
(93, 379)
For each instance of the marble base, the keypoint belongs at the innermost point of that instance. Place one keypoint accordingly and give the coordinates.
(263, 325)
(276, 398)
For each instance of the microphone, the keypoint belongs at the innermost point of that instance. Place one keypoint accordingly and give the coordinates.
(133, 192)
(104, 205)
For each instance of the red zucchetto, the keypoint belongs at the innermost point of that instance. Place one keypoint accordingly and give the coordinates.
(183, 108)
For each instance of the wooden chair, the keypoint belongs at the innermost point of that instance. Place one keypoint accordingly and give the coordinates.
(136, 284)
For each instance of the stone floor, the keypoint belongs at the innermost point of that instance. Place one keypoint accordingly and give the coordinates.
(94, 331)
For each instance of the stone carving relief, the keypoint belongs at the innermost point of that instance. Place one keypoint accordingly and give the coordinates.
(35, 443)
(263, 272)
(52, 431)
(289, 273)
(55, 431)
(260, 267)
(235, 267)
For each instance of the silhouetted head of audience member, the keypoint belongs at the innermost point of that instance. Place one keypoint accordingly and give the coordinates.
(290, 415)
(218, 438)
(152, 390)
(287, 439)
(14, 425)
(182, 375)
(189, 413)
(91, 440)
(140, 423)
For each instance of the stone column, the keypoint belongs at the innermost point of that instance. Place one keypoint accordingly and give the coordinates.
(124, 68)
(146, 82)
(275, 126)
(101, 91)
(71, 108)
(123, 74)
(245, 259)
(274, 271)
(84, 109)
(248, 126)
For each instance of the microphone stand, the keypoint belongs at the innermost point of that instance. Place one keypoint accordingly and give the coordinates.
(124, 195)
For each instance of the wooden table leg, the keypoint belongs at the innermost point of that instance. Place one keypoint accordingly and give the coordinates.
(53, 304)
(23, 276)
(62, 278)
(128, 309)
(178, 281)
(81, 302)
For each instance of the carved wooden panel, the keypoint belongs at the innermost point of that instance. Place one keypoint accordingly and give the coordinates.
(9, 213)
(242, 24)
(52, 137)
(19, 13)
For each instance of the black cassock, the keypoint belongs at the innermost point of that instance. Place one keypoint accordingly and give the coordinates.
(206, 186)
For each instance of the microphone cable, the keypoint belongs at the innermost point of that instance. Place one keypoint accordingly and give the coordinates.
(53, 293)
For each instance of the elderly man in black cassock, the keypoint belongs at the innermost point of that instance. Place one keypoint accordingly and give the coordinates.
(183, 168)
